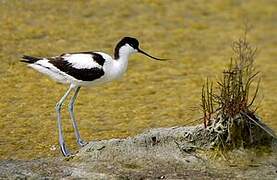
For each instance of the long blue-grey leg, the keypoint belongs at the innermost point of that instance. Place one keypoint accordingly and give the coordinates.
(58, 110)
(72, 116)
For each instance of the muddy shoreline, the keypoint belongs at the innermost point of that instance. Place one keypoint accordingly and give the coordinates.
(163, 153)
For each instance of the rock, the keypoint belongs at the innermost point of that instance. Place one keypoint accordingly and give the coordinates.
(163, 153)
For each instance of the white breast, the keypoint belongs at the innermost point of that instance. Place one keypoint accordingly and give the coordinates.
(114, 69)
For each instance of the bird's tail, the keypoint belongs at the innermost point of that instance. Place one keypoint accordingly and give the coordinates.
(29, 59)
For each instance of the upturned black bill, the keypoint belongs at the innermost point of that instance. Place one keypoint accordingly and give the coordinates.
(142, 52)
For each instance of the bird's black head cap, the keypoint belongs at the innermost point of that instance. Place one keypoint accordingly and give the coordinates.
(133, 42)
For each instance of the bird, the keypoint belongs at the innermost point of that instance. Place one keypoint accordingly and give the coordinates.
(82, 69)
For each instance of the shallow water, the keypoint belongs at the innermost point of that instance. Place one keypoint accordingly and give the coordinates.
(196, 36)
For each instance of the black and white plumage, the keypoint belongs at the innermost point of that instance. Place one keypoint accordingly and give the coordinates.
(73, 68)
(84, 69)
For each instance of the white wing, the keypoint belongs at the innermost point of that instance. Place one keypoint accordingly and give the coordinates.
(82, 61)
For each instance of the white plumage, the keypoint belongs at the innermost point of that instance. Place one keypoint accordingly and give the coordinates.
(81, 61)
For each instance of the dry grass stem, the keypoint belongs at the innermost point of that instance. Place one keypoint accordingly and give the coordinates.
(229, 112)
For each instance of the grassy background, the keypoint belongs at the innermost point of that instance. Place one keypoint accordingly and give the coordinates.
(197, 35)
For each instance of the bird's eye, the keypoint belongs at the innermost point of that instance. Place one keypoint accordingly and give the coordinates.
(134, 46)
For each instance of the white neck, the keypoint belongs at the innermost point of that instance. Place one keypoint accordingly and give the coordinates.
(125, 51)
(121, 64)
(124, 54)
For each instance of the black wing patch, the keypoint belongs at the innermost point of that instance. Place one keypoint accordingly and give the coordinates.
(80, 74)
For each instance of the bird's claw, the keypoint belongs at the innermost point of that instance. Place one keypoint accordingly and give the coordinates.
(81, 142)
(65, 151)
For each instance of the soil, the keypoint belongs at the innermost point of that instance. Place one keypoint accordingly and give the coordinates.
(163, 153)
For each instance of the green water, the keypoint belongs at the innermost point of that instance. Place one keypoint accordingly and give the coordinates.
(197, 36)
